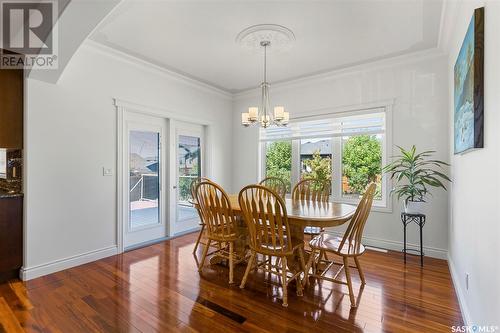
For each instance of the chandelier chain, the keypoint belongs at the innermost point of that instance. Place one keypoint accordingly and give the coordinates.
(265, 62)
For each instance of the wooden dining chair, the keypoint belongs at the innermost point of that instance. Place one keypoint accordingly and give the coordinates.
(276, 184)
(194, 184)
(312, 190)
(220, 223)
(348, 246)
(265, 214)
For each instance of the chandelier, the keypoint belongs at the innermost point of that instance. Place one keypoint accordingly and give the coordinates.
(263, 115)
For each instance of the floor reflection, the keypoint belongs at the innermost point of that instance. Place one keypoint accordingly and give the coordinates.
(158, 289)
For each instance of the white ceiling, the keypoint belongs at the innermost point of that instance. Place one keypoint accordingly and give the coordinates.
(197, 38)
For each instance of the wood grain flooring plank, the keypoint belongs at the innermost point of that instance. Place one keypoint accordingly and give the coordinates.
(158, 289)
(8, 321)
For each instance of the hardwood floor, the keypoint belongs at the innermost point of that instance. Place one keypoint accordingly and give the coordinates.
(158, 289)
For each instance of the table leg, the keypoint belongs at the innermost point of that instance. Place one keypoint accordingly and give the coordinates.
(421, 245)
(404, 242)
(293, 261)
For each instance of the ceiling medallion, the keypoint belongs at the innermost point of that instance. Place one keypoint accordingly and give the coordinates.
(280, 38)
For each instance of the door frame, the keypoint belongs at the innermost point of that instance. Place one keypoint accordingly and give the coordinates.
(122, 107)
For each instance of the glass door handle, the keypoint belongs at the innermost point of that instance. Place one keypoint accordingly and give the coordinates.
(174, 187)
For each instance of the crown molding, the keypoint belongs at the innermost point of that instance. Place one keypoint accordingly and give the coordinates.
(280, 86)
(130, 59)
(369, 66)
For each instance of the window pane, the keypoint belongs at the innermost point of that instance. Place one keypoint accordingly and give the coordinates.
(361, 165)
(279, 161)
(144, 189)
(316, 159)
(189, 164)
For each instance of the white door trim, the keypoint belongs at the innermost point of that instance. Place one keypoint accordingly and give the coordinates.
(122, 106)
(160, 112)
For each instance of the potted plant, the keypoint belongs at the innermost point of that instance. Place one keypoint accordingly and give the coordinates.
(414, 173)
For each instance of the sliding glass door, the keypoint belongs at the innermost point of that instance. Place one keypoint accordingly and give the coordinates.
(162, 157)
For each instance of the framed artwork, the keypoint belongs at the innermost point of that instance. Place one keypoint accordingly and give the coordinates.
(469, 88)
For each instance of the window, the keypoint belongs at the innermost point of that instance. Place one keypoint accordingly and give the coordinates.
(361, 165)
(348, 149)
(279, 161)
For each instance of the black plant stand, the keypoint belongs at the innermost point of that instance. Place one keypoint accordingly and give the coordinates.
(418, 219)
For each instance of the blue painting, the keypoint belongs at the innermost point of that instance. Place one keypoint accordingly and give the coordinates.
(468, 113)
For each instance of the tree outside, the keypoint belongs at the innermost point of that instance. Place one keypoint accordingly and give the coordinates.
(279, 161)
(361, 158)
(317, 167)
(362, 163)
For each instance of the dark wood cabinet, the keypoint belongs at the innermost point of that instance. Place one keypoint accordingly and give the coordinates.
(11, 108)
(11, 237)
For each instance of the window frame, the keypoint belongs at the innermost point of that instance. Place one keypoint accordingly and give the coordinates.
(382, 205)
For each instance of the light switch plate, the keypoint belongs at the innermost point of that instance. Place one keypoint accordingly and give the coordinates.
(107, 171)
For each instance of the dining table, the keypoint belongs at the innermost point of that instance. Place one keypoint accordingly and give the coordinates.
(301, 214)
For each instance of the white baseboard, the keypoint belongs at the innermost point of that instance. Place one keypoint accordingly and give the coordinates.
(159, 240)
(460, 293)
(185, 232)
(29, 273)
(398, 246)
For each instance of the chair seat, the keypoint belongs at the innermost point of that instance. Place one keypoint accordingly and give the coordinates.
(332, 244)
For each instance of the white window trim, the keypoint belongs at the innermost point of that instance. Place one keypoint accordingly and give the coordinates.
(384, 205)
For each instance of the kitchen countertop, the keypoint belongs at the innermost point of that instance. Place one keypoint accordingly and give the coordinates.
(5, 194)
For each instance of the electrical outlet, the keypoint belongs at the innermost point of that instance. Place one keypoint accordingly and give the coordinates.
(466, 281)
(107, 171)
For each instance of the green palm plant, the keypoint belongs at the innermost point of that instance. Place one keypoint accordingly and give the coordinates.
(414, 173)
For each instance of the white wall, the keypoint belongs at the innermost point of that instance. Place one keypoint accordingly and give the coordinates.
(71, 135)
(419, 87)
(474, 230)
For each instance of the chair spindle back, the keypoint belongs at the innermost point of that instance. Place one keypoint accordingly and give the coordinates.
(312, 190)
(195, 183)
(216, 210)
(354, 231)
(276, 184)
(265, 214)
